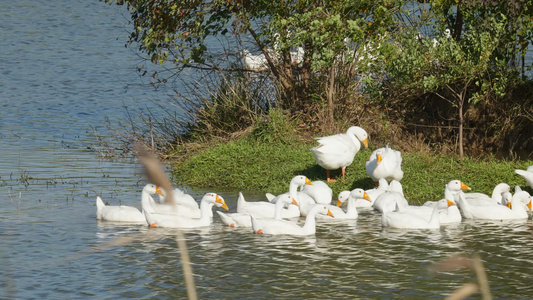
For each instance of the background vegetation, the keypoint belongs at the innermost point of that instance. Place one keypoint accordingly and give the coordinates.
(430, 77)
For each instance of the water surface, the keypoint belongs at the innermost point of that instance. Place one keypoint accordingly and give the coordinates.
(63, 70)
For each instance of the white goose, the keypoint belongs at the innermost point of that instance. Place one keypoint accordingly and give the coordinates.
(125, 213)
(183, 199)
(175, 221)
(447, 216)
(305, 202)
(244, 220)
(388, 200)
(483, 199)
(450, 190)
(263, 209)
(351, 209)
(275, 227)
(527, 204)
(527, 175)
(496, 212)
(408, 220)
(319, 191)
(373, 194)
(338, 151)
(254, 62)
(385, 163)
(184, 205)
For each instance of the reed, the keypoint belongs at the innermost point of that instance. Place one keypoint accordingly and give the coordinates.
(156, 175)
(473, 263)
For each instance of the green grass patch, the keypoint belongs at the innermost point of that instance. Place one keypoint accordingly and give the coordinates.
(249, 165)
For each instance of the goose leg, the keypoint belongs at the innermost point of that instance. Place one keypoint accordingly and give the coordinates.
(329, 179)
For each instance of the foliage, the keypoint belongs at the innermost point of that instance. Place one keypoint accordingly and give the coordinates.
(184, 33)
(276, 128)
(352, 50)
(462, 69)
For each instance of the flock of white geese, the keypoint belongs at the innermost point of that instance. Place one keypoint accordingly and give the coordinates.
(306, 201)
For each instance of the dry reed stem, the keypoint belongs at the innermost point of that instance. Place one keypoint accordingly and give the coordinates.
(474, 263)
(153, 170)
(466, 290)
(155, 175)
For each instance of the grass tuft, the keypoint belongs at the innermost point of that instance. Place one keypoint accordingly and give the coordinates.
(251, 165)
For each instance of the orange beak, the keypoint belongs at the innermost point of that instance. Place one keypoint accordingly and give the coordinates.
(307, 181)
(366, 197)
(221, 201)
(380, 157)
(529, 205)
(339, 202)
(158, 191)
(294, 202)
(330, 214)
(153, 225)
(365, 143)
(509, 205)
(464, 186)
(450, 203)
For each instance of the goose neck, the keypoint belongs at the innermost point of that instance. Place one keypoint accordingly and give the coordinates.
(278, 209)
(310, 221)
(205, 207)
(350, 207)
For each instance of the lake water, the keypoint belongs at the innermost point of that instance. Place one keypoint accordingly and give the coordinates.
(63, 70)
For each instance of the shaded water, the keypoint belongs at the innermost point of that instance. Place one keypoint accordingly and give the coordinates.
(63, 69)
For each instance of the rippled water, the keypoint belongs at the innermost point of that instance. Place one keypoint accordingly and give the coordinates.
(63, 69)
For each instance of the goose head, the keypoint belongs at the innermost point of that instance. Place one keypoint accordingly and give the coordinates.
(379, 157)
(323, 210)
(445, 203)
(354, 194)
(300, 180)
(215, 199)
(360, 194)
(287, 199)
(360, 134)
(343, 196)
(152, 189)
(457, 186)
(521, 198)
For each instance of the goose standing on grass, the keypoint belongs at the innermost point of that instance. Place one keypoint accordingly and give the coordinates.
(483, 199)
(527, 174)
(495, 211)
(125, 213)
(275, 227)
(338, 151)
(351, 209)
(244, 220)
(175, 221)
(409, 220)
(385, 163)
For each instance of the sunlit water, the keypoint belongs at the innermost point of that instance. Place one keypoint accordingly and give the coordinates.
(63, 69)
